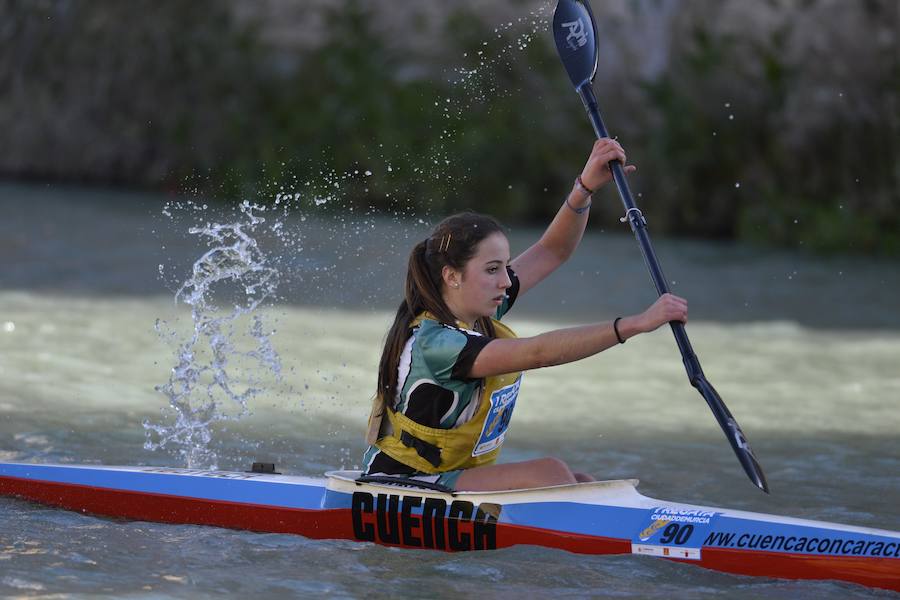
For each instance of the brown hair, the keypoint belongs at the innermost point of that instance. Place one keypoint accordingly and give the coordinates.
(453, 243)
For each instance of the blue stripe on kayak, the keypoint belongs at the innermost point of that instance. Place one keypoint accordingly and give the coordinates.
(245, 491)
(839, 542)
(571, 517)
(771, 528)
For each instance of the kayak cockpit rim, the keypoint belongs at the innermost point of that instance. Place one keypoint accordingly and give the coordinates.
(388, 482)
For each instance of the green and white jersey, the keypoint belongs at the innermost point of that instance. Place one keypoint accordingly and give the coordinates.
(434, 387)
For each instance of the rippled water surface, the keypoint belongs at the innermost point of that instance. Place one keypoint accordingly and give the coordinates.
(806, 352)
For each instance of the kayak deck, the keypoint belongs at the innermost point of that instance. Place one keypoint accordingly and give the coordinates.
(606, 517)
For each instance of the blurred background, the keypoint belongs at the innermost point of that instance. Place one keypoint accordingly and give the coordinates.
(775, 122)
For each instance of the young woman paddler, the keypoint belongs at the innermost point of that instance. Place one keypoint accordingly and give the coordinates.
(450, 370)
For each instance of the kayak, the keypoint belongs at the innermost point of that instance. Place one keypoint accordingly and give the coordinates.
(603, 517)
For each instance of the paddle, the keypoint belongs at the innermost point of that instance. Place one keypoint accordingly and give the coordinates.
(575, 33)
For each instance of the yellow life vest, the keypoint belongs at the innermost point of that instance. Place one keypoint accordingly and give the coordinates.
(433, 450)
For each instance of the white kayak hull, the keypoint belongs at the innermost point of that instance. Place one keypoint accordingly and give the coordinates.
(606, 517)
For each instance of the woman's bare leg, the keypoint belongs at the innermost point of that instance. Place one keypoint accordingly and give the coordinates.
(515, 476)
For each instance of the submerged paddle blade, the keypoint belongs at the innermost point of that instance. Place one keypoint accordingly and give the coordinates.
(576, 40)
(733, 432)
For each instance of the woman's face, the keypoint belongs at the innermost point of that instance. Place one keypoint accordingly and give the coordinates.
(483, 282)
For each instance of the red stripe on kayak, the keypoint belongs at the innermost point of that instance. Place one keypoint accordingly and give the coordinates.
(578, 543)
(879, 572)
(163, 508)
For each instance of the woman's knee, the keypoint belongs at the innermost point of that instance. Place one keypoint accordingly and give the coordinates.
(553, 471)
(528, 474)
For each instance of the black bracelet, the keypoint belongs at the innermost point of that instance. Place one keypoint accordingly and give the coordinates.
(616, 329)
(580, 183)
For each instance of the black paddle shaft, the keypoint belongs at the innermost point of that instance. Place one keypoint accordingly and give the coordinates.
(691, 364)
(575, 34)
(638, 224)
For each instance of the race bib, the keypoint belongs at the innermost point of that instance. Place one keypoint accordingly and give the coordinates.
(503, 401)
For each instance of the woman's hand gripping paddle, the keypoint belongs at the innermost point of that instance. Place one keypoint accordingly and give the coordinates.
(576, 40)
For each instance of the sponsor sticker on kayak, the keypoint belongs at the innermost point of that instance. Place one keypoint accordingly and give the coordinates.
(673, 532)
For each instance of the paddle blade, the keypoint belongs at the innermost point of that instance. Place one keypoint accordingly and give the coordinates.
(733, 432)
(576, 40)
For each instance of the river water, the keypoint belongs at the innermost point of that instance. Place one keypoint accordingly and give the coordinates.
(804, 350)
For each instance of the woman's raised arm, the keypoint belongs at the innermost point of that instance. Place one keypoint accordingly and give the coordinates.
(565, 231)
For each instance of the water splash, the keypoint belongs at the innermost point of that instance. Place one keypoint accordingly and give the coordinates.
(477, 78)
(214, 378)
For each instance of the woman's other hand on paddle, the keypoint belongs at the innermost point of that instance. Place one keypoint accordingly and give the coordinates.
(667, 307)
(596, 171)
